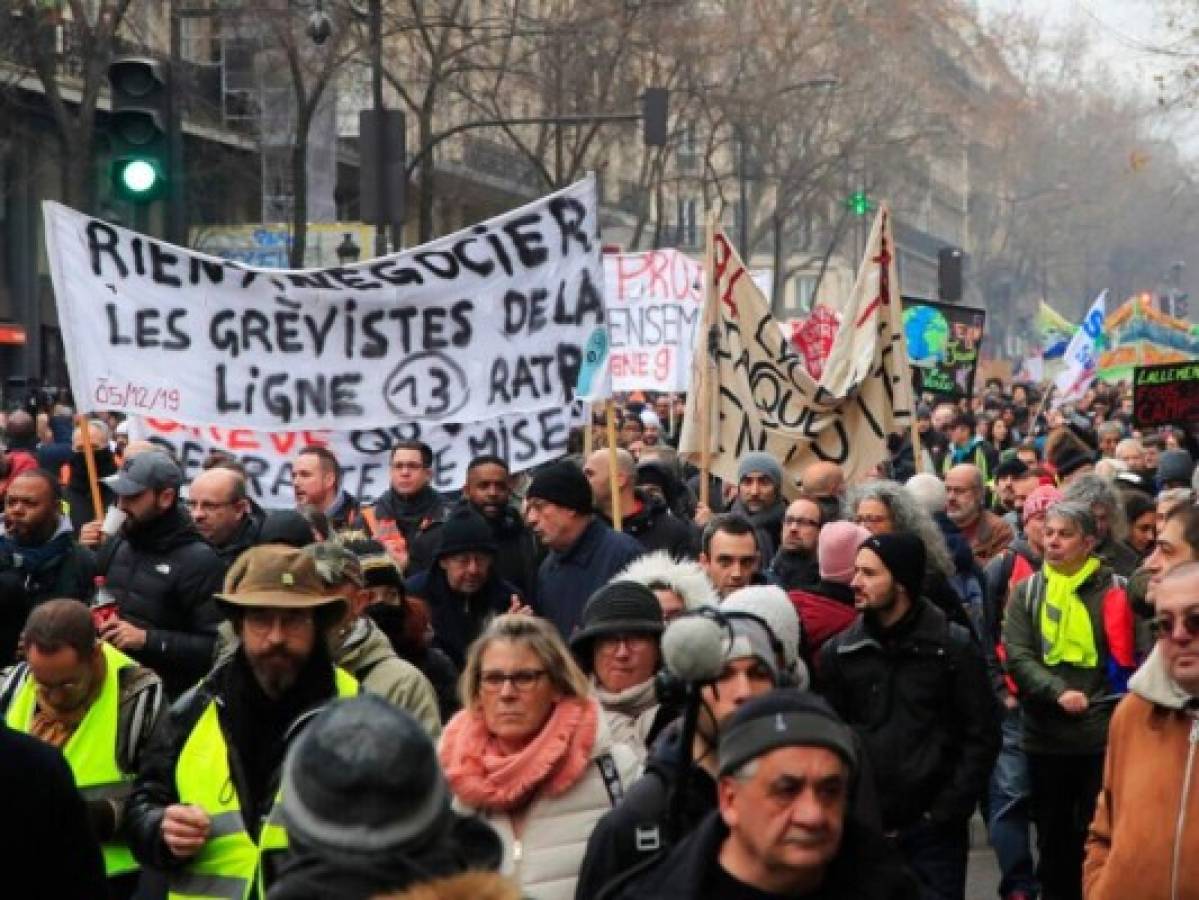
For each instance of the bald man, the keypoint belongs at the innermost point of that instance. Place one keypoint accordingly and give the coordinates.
(223, 513)
(644, 516)
(823, 480)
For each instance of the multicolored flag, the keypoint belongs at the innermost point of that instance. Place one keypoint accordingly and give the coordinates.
(1081, 357)
(1055, 331)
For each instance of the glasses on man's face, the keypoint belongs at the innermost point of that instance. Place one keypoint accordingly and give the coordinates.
(522, 679)
(1163, 625)
(407, 466)
(263, 621)
(208, 505)
(800, 522)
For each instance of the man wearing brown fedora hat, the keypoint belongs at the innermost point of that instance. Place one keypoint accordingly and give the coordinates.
(205, 805)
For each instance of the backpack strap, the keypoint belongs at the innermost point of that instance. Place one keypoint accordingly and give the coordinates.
(608, 771)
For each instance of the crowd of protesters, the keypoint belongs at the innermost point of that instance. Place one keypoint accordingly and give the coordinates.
(494, 693)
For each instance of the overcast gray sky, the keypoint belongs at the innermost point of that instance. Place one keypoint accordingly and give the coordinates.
(1121, 29)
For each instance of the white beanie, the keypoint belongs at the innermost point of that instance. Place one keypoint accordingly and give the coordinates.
(772, 605)
(650, 419)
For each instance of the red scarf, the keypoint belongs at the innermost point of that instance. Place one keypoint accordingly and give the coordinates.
(482, 776)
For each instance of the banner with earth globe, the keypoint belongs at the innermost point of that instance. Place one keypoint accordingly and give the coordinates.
(944, 341)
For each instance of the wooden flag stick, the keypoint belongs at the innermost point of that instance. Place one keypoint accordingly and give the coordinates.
(89, 458)
(613, 474)
(704, 339)
(588, 436)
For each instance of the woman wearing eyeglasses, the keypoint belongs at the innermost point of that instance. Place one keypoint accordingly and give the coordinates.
(531, 752)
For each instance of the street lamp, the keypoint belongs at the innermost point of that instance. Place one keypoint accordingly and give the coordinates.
(320, 29)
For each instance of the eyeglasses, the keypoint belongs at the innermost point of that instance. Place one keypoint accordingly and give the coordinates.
(610, 643)
(208, 505)
(800, 522)
(407, 466)
(871, 520)
(262, 621)
(522, 679)
(1163, 625)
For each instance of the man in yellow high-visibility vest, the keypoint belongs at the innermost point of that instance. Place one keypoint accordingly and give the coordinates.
(98, 707)
(205, 806)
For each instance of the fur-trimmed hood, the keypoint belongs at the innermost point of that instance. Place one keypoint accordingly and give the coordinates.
(685, 577)
(468, 886)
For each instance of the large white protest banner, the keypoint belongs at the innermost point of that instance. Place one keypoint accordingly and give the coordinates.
(524, 440)
(752, 387)
(498, 318)
(654, 301)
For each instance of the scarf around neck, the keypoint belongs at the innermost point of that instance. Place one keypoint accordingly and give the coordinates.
(1067, 634)
(483, 776)
(631, 702)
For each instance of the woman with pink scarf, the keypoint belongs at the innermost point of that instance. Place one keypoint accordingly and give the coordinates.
(531, 753)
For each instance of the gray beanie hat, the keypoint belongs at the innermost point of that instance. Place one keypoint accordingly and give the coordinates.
(760, 462)
(1175, 465)
(783, 718)
(364, 779)
(750, 636)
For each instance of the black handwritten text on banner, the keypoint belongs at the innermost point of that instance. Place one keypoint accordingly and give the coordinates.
(489, 320)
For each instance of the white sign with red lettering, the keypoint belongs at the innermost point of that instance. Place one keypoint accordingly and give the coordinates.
(524, 440)
(654, 300)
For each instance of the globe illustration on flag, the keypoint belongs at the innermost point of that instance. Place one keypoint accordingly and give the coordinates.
(927, 332)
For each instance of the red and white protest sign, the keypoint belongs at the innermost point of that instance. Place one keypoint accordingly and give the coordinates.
(653, 302)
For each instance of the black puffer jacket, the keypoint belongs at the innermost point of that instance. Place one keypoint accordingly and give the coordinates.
(865, 868)
(656, 528)
(635, 831)
(163, 577)
(419, 519)
(918, 695)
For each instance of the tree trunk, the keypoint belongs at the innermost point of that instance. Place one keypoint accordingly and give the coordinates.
(427, 167)
(776, 276)
(299, 176)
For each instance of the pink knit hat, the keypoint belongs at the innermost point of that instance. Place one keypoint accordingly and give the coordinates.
(1040, 500)
(836, 549)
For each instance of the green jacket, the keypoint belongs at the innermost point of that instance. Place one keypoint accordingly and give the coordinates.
(1047, 727)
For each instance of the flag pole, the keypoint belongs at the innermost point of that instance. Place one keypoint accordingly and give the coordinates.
(89, 459)
(705, 385)
(613, 474)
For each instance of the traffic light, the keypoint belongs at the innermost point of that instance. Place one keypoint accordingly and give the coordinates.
(141, 110)
(949, 274)
(859, 203)
(655, 111)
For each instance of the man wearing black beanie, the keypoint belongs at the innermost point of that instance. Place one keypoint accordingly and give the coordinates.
(584, 553)
(915, 688)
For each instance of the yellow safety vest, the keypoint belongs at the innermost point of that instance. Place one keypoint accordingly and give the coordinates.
(228, 865)
(91, 751)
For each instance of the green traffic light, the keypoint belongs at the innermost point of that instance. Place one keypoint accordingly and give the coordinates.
(137, 179)
(858, 203)
(139, 176)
